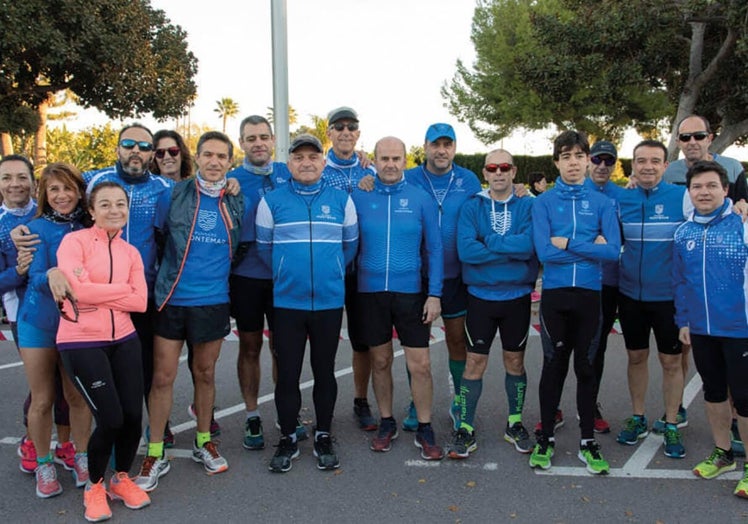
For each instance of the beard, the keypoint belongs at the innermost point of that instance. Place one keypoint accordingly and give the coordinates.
(133, 169)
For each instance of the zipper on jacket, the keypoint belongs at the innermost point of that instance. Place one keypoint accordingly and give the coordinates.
(111, 272)
(311, 252)
(703, 280)
(387, 253)
(573, 235)
(643, 244)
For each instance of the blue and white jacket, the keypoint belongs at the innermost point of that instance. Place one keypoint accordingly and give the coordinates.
(150, 197)
(574, 212)
(307, 234)
(12, 285)
(449, 192)
(612, 191)
(710, 274)
(254, 187)
(649, 218)
(494, 242)
(399, 233)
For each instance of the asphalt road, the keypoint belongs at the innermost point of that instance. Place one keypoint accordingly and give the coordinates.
(494, 485)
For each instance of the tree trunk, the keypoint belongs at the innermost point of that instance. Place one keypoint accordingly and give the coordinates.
(6, 144)
(40, 139)
(728, 134)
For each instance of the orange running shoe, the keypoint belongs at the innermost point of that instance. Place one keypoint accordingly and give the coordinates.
(94, 499)
(123, 488)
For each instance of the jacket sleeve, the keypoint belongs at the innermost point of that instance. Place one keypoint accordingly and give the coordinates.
(541, 234)
(264, 225)
(9, 277)
(137, 298)
(471, 246)
(39, 266)
(518, 244)
(610, 230)
(350, 232)
(679, 287)
(432, 243)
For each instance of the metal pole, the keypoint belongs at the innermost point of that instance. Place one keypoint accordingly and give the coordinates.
(280, 78)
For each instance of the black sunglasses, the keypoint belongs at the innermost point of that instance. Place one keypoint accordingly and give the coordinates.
(699, 136)
(129, 143)
(492, 168)
(607, 160)
(74, 306)
(173, 152)
(339, 126)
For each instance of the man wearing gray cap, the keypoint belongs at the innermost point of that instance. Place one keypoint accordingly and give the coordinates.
(344, 170)
(307, 232)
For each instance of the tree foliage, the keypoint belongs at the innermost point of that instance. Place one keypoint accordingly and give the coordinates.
(604, 65)
(226, 108)
(120, 56)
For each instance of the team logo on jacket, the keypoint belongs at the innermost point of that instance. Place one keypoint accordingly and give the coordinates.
(585, 204)
(403, 202)
(207, 220)
(659, 208)
(458, 183)
(690, 245)
(325, 209)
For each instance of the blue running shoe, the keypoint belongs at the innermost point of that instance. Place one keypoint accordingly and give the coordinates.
(681, 421)
(673, 442)
(455, 411)
(411, 419)
(634, 429)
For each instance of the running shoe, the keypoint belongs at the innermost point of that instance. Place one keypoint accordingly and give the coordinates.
(681, 420)
(673, 442)
(27, 452)
(385, 435)
(325, 452)
(426, 442)
(714, 465)
(410, 423)
(151, 470)
(253, 437)
(65, 455)
(558, 421)
(634, 429)
(287, 450)
(95, 502)
(736, 442)
(47, 484)
(517, 434)
(121, 487)
(591, 456)
(455, 411)
(301, 432)
(741, 490)
(215, 428)
(362, 412)
(600, 424)
(80, 469)
(209, 457)
(542, 453)
(463, 444)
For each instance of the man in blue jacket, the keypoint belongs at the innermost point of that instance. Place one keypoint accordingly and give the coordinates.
(307, 232)
(399, 236)
(574, 231)
(499, 267)
(709, 271)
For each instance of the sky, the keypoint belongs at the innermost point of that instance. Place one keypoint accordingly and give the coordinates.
(388, 59)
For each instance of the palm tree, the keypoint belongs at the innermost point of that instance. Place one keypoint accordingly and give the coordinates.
(293, 116)
(226, 108)
(318, 129)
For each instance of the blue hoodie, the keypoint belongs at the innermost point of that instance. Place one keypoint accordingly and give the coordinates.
(494, 241)
(574, 212)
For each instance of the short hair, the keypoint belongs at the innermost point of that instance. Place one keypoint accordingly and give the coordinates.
(68, 175)
(19, 158)
(103, 185)
(254, 120)
(651, 143)
(707, 166)
(133, 125)
(535, 176)
(704, 120)
(500, 150)
(215, 135)
(185, 169)
(566, 142)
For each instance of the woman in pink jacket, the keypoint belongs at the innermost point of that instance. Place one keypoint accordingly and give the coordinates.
(99, 345)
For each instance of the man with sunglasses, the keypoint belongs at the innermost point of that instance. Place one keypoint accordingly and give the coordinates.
(499, 267)
(450, 186)
(344, 170)
(694, 138)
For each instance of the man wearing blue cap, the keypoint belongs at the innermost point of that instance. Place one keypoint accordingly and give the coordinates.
(450, 186)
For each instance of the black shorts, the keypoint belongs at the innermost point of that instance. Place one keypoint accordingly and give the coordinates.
(722, 366)
(454, 298)
(354, 320)
(639, 318)
(484, 317)
(194, 324)
(251, 302)
(403, 310)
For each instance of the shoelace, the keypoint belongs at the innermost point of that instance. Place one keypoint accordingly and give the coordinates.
(461, 438)
(97, 493)
(47, 473)
(672, 436)
(631, 423)
(211, 449)
(594, 450)
(145, 470)
(521, 431)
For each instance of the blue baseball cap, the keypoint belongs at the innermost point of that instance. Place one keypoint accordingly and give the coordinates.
(437, 131)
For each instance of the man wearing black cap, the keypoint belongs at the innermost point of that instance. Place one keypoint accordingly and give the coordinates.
(344, 170)
(307, 232)
(450, 186)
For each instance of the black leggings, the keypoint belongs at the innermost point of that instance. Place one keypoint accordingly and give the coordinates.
(609, 308)
(110, 378)
(570, 320)
(722, 364)
(290, 336)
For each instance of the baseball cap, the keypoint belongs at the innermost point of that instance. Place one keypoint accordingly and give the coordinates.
(340, 113)
(603, 147)
(305, 140)
(437, 131)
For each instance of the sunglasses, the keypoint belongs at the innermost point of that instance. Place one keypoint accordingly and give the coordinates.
(504, 168)
(339, 126)
(74, 306)
(129, 143)
(608, 160)
(699, 136)
(173, 152)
